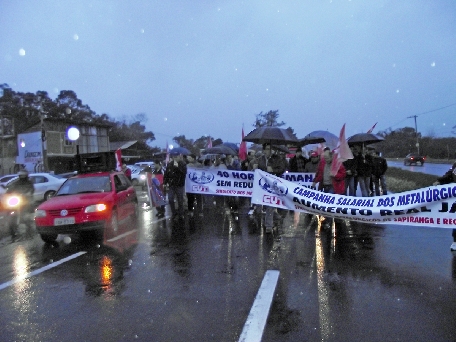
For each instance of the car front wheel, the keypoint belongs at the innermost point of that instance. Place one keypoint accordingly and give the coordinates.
(49, 194)
(49, 238)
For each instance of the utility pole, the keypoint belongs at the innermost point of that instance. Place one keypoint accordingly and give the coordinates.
(416, 132)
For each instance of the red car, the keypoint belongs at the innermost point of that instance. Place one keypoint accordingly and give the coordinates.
(97, 203)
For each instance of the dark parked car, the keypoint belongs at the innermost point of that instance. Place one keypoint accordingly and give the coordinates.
(412, 158)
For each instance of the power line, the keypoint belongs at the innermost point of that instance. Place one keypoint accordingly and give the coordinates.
(435, 110)
(416, 115)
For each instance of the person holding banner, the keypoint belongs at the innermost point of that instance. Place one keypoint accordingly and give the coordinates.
(312, 164)
(328, 182)
(363, 162)
(350, 174)
(194, 200)
(275, 164)
(449, 177)
(298, 162)
(333, 184)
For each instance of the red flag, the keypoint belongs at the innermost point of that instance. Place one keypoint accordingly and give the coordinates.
(372, 128)
(209, 142)
(243, 148)
(118, 159)
(341, 153)
(167, 153)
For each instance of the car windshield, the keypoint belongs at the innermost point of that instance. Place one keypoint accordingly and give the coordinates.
(85, 185)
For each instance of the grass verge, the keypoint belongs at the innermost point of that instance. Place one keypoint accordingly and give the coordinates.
(398, 180)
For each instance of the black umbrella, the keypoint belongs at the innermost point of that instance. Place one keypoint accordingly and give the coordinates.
(307, 140)
(281, 148)
(271, 135)
(220, 149)
(364, 139)
(179, 150)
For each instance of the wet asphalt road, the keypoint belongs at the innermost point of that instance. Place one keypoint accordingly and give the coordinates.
(428, 168)
(196, 279)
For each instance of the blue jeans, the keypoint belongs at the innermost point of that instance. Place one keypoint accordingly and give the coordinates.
(350, 186)
(176, 192)
(364, 184)
(379, 181)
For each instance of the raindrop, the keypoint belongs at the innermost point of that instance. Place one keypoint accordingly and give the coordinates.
(433, 64)
(21, 52)
(75, 37)
(98, 246)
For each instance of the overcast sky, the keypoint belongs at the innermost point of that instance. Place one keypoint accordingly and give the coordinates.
(200, 68)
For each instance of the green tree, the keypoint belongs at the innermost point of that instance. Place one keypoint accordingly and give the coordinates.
(268, 119)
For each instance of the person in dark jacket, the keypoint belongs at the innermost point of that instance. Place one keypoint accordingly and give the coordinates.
(194, 200)
(379, 167)
(447, 178)
(350, 174)
(22, 186)
(174, 179)
(312, 164)
(363, 169)
(298, 162)
(245, 163)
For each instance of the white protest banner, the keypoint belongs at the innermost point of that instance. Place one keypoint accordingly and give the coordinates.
(301, 178)
(434, 206)
(211, 181)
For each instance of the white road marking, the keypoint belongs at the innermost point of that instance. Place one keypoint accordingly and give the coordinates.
(40, 270)
(121, 236)
(256, 321)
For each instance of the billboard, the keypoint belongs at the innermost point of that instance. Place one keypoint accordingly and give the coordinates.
(29, 147)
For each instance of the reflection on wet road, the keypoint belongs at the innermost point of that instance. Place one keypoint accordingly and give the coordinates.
(196, 278)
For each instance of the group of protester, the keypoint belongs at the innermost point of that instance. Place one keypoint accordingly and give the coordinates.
(364, 169)
(367, 170)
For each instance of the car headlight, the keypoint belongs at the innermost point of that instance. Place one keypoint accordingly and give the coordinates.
(142, 177)
(95, 208)
(40, 213)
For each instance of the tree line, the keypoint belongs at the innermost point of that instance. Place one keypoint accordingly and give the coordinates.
(26, 109)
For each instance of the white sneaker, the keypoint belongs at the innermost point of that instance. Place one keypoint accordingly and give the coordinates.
(453, 246)
(250, 212)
